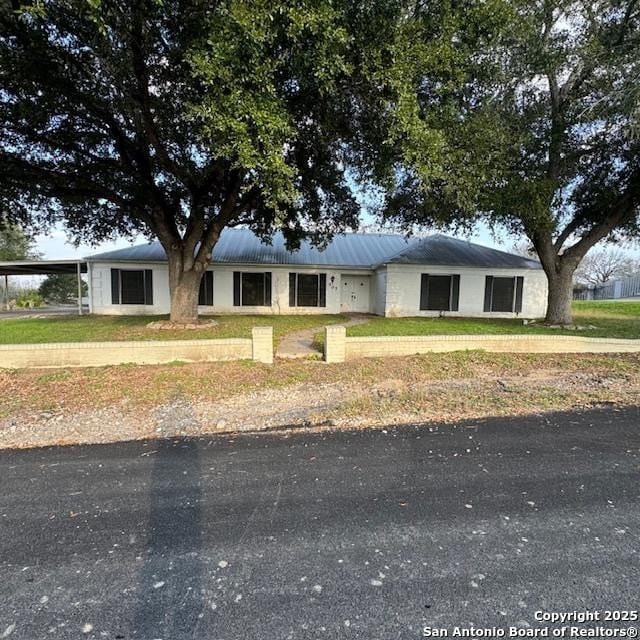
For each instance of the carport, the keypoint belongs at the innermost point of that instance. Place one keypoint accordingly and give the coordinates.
(42, 268)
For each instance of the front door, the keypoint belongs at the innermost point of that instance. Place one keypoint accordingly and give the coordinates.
(354, 294)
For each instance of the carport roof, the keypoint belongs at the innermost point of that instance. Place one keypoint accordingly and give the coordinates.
(41, 267)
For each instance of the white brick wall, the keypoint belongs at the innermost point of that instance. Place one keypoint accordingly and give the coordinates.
(395, 290)
(403, 291)
(100, 282)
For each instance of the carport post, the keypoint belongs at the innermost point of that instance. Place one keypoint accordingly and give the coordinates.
(6, 292)
(79, 272)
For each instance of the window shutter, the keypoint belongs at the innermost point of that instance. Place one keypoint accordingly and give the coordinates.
(236, 288)
(455, 293)
(267, 289)
(519, 288)
(115, 286)
(488, 290)
(202, 291)
(292, 289)
(424, 292)
(148, 286)
(205, 294)
(322, 292)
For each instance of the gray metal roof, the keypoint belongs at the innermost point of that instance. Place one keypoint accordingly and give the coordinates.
(355, 250)
(241, 246)
(447, 251)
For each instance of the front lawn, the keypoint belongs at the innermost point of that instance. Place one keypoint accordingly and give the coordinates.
(612, 319)
(108, 328)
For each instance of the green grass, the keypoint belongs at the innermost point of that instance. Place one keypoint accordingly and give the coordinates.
(109, 328)
(612, 319)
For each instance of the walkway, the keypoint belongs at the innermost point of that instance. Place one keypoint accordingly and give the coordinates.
(300, 344)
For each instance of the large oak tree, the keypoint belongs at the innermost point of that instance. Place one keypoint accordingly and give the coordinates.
(539, 129)
(180, 118)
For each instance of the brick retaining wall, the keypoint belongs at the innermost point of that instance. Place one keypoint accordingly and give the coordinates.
(96, 354)
(338, 347)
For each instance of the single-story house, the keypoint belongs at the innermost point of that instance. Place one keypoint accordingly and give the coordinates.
(388, 275)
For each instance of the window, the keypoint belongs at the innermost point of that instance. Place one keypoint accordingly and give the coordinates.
(251, 289)
(205, 295)
(131, 286)
(503, 295)
(439, 293)
(307, 289)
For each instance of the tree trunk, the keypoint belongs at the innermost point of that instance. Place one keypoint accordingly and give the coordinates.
(184, 288)
(560, 296)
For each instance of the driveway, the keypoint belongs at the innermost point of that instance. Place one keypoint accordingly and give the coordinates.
(370, 534)
(41, 312)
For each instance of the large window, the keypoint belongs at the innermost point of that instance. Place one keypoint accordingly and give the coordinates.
(251, 289)
(439, 293)
(503, 295)
(205, 295)
(307, 290)
(132, 286)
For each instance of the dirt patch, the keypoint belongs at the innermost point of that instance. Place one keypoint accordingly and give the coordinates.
(361, 398)
(167, 325)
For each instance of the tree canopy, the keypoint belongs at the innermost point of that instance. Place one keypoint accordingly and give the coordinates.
(15, 244)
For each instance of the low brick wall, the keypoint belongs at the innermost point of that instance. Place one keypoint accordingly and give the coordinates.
(339, 348)
(97, 354)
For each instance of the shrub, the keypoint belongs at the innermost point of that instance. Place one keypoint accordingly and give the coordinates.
(29, 300)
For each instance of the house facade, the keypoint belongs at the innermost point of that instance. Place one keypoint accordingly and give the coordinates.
(388, 275)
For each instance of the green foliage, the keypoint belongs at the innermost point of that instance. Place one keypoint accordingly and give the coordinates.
(263, 64)
(29, 300)
(15, 244)
(179, 118)
(537, 113)
(61, 288)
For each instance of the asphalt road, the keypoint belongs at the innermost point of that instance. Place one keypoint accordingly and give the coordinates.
(372, 534)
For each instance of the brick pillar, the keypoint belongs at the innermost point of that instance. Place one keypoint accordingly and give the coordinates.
(335, 342)
(262, 338)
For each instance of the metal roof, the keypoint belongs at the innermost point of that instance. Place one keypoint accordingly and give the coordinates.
(41, 267)
(354, 250)
(241, 246)
(447, 251)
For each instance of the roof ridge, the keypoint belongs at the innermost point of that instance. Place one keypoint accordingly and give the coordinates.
(474, 244)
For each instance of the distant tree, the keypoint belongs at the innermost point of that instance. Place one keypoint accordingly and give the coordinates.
(15, 244)
(61, 288)
(602, 265)
(524, 248)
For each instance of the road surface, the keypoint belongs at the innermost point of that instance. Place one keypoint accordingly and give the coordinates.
(372, 534)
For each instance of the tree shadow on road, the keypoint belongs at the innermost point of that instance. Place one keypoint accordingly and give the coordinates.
(169, 598)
